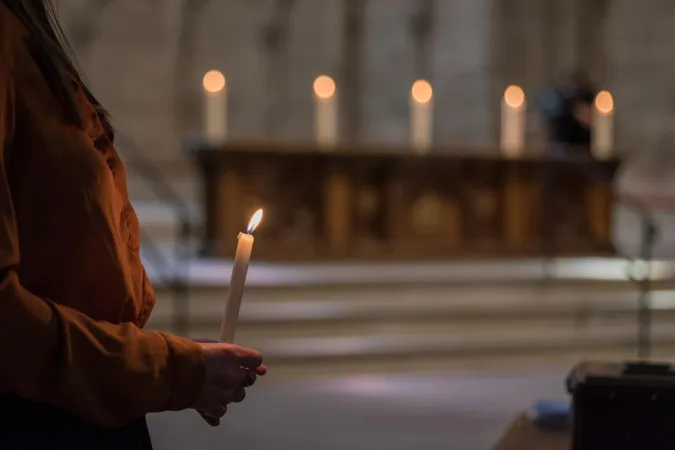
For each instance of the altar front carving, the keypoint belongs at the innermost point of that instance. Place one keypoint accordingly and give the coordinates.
(373, 204)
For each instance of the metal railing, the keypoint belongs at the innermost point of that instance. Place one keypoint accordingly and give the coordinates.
(639, 267)
(649, 230)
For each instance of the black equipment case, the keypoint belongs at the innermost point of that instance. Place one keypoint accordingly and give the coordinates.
(623, 406)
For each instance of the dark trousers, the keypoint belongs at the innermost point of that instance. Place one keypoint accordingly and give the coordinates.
(26, 425)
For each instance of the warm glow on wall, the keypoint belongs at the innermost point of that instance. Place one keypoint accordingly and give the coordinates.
(422, 91)
(214, 82)
(324, 87)
(604, 102)
(514, 97)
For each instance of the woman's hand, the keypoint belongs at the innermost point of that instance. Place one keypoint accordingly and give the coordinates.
(229, 369)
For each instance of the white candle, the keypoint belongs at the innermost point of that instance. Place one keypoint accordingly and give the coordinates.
(215, 106)
(242, 258)
(602, 133)
(513, 122)
(421, 116)
(325, 111)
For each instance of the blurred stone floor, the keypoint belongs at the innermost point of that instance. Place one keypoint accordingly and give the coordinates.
(463, 411)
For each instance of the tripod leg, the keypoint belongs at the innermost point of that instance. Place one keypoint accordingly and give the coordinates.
(644, 299)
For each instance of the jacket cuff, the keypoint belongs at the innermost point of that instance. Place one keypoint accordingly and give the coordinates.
(187, 372)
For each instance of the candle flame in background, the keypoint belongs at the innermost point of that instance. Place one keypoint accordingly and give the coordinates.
(604, 102)
(255, 221)
(514, 97)
(422, 91)
(214, 82)
(324, 87)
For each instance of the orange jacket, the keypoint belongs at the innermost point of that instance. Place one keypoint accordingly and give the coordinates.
(73, 292)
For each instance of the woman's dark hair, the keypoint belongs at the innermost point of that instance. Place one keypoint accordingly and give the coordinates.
(55, 57)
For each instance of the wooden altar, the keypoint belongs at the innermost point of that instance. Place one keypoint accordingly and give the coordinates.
(376, 204)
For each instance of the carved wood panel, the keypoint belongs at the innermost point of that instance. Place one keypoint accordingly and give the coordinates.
(520, 207)
(369, 180)
(481, 184)
(432, 203)
(289, 191)
(381, 206)
(563, 218)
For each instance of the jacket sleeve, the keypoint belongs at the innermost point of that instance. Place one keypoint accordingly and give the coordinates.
(106, 374)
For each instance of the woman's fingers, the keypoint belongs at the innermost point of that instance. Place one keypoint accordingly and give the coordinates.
(205, 341)
(229, 369)
(234, 378)
(213, 421)
(241, 376)
(217, 410)
(233, 396)
(250, 379)
(248, 358)
(238, 396)
(213, 414)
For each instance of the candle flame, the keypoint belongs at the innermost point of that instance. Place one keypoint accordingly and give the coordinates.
(604, 103)
(214, 82)
(324, 87)
(514, 97)
(422, 92)
(255, 221)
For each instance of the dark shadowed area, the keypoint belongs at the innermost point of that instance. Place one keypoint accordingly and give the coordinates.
(467, 411)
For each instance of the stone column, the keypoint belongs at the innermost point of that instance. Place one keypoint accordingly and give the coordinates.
(186, 109)
(275, 40)
(351, 72)
(589, 37)
(422, 31)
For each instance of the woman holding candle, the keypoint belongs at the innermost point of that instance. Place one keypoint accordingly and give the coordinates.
(77, 371)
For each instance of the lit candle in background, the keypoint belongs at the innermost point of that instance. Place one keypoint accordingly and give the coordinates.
(325, 111)
(421, 116)
(242, 258)
(602, 134)
(215, 106)
(513, 122)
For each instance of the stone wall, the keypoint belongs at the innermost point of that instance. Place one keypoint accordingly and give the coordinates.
(640, 44)
(145, 59)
